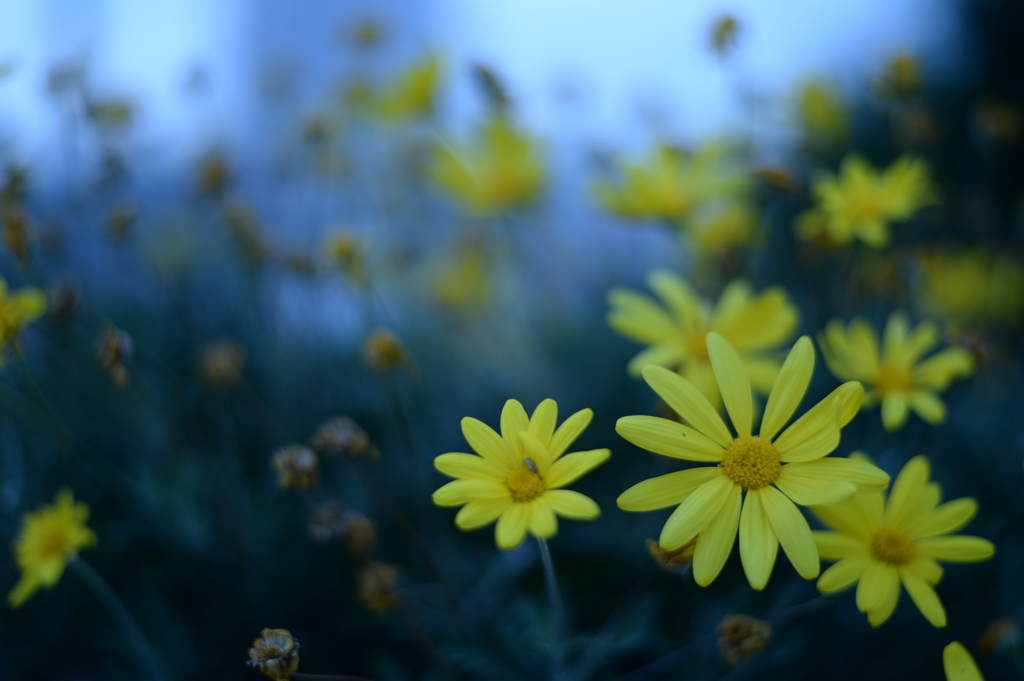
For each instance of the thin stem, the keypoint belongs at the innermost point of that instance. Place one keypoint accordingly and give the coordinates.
(105, 595)
(557, 613)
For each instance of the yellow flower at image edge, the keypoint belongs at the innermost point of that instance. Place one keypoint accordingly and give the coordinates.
(517, 476)
(896, 378)
(18, 309)
(880, 544)
(774, 468)
(959, 665)
(49, 539)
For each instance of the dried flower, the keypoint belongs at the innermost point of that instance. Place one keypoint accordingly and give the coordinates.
(375, 587)
(327, 522)
(113, 350)
(275, 653)
(297, 466)
(383, 351)
(342, 435)
(671, 559)
(221, 364)
(740, 636)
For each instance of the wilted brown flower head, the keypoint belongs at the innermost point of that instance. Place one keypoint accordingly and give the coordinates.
(740, 636)
(64, 297)
(671, 559)
(330, 521)
(1002, 635)
(383, 351)
(121, 221)
(221, 364)
(375, 587)
(113, 350)
(275, 653)
(342, 435)
(297, 466)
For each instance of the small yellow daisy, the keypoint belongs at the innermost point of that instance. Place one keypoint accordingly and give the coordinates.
(775, 468)
(860, 202)
(517, 476)
(897, 379)
(959, 665)
(18, 309)
(880, 544)
(49, 539)
(675, 329)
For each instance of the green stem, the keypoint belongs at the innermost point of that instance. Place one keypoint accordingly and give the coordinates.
(105, 595)
(557, 613)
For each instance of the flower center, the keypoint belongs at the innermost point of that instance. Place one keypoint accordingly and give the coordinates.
(752, 463)
(53, 544)
(868, 208)
(891, 377)
(525, 484)
(890, 546)
(697, 344)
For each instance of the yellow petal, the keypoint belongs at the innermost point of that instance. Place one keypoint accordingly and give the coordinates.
(834, 545)
(665, 490)
(457, 465)
(944, 519)
(458, 492)
(733, 383)
(542, 423)
(959, 665)
(758, 543)
(867, 477)
(928, 406)
(807, 488)
(956, 549)
(668, 438)
(789, 388)
(639, 317)
(894, 410)
(487, 443)
(693, 515)
(876, 585)
(22, 591)
(893, 337)
(543, 522)
(939, 370)
(688, 402)
(843, 574)
(714, 543)
(926, 568)
(816, 433)
(845, 518)
(536, 452)
(512, 526)
(883, 612)
(662, 354)
(513, 421)
(481, 512)
(924, 597)
(567, 433)
(906, 491)
(572, 505)
(793, 532)
(679, 296)
(572, 466)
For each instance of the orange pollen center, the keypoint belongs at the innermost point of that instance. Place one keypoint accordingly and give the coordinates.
(752, 463)
(525, 484)
(891, 377)
(890, 546)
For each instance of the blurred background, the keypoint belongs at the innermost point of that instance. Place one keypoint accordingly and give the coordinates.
(286, 247)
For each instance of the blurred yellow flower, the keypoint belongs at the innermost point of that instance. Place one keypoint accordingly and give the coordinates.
(463, 281)
(672, 183)
(902, 77)
(822, 114)
(384, 351)
(344, 251)
(517, 476)
(18, 309)
(411, 94)
(860, 202)
(376, 585)
(775, 468)
(502, 168)
(896, 379)
(878, 544)
(959, 665)
(722, 229)
(49, 539)
(972, 287)
(675, 329)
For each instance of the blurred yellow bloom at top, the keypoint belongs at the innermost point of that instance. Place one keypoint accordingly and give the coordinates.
(676, 328)
(959, 665)
(18, 309)
(411, 94)
(503, 168)
(860, 202)
(896, 378)
(774, 470)
(722, 229)
(49, 539)
(972, 286)
(463, 281)
(879, 544)
(517, 476)
(672, 183)
(822, 114)
(902, 77)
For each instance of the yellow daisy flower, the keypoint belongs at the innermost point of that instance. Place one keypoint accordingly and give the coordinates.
(672, 184)
(860, 203)
(897, 378)
(517, 476)
(775, 468)
(49, 539)
(411, 94)
(879, 544)
(675, 329)
(502, 169)
(959, 665)
(18, 310)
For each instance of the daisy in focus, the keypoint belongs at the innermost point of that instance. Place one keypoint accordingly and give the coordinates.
(776, 469)
(676, 327)
(50, 538)
(515, 478)
(879, 544)
(860, 203)
(18, 309)
(959, 665)
(897, 378)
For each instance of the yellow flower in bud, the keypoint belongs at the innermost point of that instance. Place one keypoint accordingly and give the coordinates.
(275, 653)
(896, 377)
(376, 585)
(411, 94)
(384, 352)
(297, 466)
(740, 636)
(49, 539)
(880, 543)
